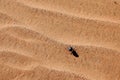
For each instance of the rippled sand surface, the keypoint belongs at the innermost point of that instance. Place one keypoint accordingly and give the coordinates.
(35, 36)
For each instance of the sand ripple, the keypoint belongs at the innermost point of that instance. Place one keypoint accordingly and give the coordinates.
(35, 35)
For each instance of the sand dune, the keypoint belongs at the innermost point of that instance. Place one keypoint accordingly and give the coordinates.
(35, 35)
(94, 10)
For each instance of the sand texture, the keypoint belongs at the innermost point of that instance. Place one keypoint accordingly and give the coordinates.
(35, 36)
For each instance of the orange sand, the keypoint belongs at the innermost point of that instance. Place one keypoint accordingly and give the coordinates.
(35, 35)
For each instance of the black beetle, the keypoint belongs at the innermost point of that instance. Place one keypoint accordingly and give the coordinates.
(73, 51)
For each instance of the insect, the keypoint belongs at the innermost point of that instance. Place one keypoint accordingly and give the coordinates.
(73, 52)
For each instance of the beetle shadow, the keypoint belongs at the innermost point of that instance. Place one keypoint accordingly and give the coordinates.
(75, 53)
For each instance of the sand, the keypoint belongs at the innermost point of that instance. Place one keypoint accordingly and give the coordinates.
(35, 36)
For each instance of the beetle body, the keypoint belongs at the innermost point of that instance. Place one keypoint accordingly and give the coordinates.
(73, 51)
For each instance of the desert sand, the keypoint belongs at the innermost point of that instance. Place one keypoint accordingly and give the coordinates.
(35, 36)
